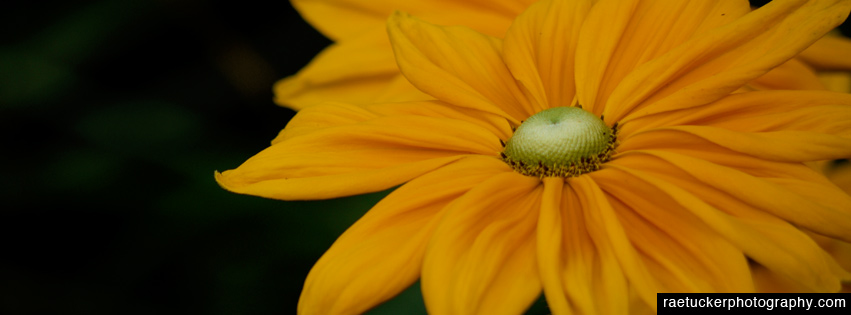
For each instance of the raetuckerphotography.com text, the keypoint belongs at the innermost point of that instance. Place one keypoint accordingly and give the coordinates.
(728, 303)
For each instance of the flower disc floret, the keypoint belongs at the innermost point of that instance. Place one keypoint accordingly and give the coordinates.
(560, 141)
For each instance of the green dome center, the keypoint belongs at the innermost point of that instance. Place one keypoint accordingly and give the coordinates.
(560, 141)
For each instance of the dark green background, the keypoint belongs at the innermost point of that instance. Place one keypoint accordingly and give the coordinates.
(113, 117)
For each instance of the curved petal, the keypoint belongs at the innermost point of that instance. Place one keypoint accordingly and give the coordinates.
(359, 70)
(682, 252)
(791, 75)
(591, 268)
(829, 53)
(539, 50)
(481, 259)
(328, 115)
(769, 241)
(784, 145)
(381, 254)
(826, 210)
(550, 236)
(619, 36)
(368, 156)
(717, 63)
(360, 67)
(612, 242)
(457, 65)
(341, 19)
(574, 269)
(759, 111)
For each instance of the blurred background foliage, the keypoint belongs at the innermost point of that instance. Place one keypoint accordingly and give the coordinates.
(113, 117)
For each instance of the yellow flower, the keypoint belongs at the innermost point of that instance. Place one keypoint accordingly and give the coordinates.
(674, 189)
(360, 68)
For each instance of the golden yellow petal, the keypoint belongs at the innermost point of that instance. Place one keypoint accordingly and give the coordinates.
(539, 50)
(619, 36)
(575, 268)
(767, 240)
(457, 65)
(369, 156)
(359, 69)
(592, 268)
(550, 236)
(341, 19)
(791, 75)
(683, 253)
(381, 254)
(611, 240)
(784, 145)
(337, 114)
(829, 53)
(819, 207)
(481, 259)
(759, 111)
(722, 60)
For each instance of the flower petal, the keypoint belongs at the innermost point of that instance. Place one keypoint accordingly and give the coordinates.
(381, 254)
(769, 241)
(619, 36)
(784, 145)
(824, 209)
(574, 270)
(829, 53)
(611, 240)
(457, 65)
(359, 69)
(481, 259)
(539, 50)
(760, 111)
(791, 75)
(368, 156)
(683, 253)
(328, 115)
(717, 63)
(341, 19)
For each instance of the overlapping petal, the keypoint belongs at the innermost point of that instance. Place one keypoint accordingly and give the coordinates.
(337, 114)
(672, 242)
(481, 259)
(771, 242)
(791, 75)
(457, 65)
(619, 36)
(359, 70)
(829, 210)
(539, 49)
(716, 63)
(576, 267)
(342, 19)
(829, 53)
(381, 254)
(761, 111)
(783, 145)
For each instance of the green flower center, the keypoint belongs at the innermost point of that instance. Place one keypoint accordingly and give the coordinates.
(560, 141)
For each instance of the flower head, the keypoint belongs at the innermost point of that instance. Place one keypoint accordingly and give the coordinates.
(676, 183)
